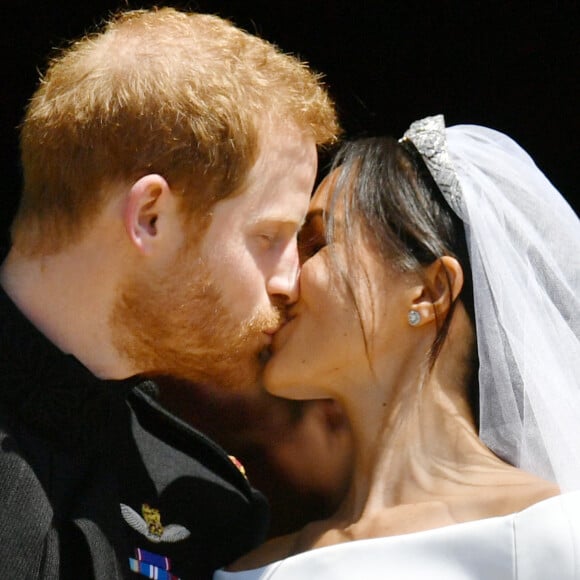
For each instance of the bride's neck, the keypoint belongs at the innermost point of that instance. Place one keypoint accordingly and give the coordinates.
(417, 449)
(416, 446)
(414, 434)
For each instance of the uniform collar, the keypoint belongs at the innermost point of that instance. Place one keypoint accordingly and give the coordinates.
(51, 392)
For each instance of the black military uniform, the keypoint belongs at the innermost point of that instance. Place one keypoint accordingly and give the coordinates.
(98, 481)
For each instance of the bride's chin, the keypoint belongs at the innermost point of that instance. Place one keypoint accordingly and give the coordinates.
(273, 378)
(279, 378)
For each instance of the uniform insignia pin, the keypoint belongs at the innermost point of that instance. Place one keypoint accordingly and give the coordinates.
(150, 525)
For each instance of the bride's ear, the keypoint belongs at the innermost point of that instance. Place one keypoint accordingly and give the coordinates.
(442, 283)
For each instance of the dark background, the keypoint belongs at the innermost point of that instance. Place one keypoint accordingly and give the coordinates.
(510, 65)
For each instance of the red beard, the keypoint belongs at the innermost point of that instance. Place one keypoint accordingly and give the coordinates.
(175, 323)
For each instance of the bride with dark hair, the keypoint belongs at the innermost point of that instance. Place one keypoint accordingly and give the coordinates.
(440, 306)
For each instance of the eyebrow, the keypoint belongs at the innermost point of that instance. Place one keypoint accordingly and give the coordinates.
(281, 221)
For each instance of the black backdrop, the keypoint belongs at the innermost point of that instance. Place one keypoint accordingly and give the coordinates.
(510, 65)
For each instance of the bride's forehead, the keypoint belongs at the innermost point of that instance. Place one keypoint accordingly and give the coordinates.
(329, 195)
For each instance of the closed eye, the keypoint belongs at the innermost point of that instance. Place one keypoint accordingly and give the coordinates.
(271, 239)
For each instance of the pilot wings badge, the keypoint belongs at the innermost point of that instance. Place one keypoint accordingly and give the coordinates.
(150, 525)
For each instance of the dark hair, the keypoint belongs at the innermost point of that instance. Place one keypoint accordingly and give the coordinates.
(386, 188)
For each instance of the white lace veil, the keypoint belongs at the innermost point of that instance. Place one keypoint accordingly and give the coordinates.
(524, 246)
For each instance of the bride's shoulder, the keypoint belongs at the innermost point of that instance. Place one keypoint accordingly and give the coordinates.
(270, 551)
(316, 534)
(521, 492)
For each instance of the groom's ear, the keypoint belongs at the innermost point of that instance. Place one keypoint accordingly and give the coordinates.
(150, 209)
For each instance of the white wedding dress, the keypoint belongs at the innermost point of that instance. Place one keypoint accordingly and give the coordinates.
(541, 542)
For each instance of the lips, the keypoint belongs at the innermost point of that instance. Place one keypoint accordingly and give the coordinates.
(274, 331)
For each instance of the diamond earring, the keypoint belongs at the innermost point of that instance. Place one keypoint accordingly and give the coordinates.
(413, 317)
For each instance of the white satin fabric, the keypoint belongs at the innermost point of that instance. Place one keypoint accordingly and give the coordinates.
(541, 542)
